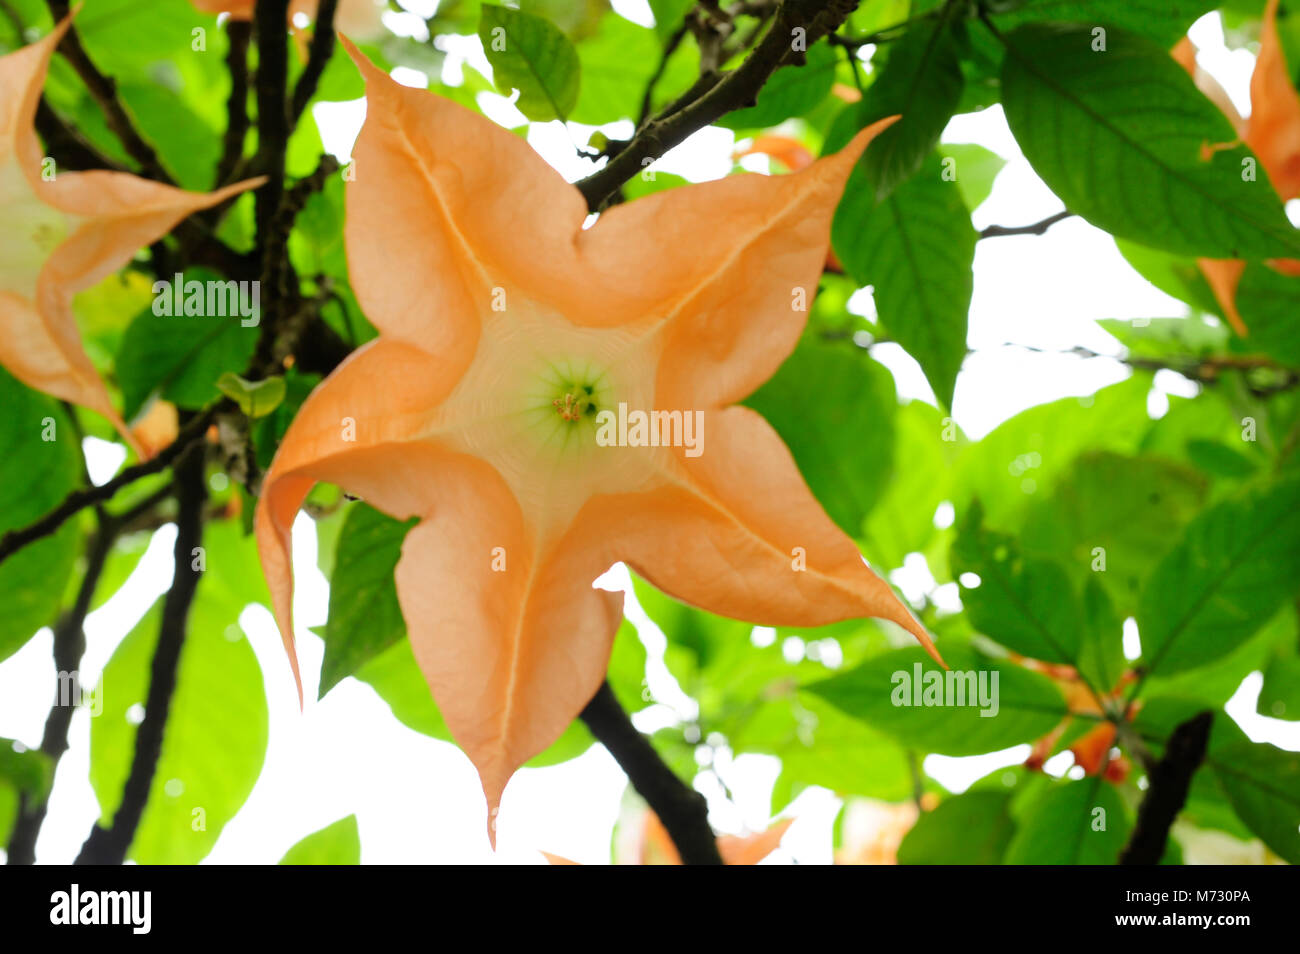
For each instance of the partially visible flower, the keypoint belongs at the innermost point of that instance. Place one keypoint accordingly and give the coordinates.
(64, 232)
(647, 843)
(1272, 132)
(873, 830)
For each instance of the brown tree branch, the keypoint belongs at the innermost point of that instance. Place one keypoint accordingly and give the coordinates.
(683, 811)
(104, 91)
(78, 500)
(109, 846)
(69, 646)
(1036, 228)
(808, 20)
(239, 33)
(322, 48)
(1170, 780)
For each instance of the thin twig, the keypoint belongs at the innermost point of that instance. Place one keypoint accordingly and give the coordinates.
(683, 811)
(78, 500)
(733, 90)
(322, 48)
(1035, 228)
(104, 91)
(239, 33)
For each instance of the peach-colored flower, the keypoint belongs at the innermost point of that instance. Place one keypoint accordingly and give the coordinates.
(1272, 132)
(63, 233)
(508, 333)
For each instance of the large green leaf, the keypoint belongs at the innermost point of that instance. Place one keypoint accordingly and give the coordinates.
(916, 248)
(922, 82)
(1076, 823)
(1163, 20)
(215, 738)
(970, 829)
(1113, 518)
(616, 65)
(974, 169)
(1026, 604)
(1269, 303)
(530, 54)
(1118, 135)
(1263, 784)
(335, 844)
(181, 357)
(364, 615)
(40, 466)
(881, 692)
(834, 408)
(1030, 453)
(1234, 566)
(902, 522)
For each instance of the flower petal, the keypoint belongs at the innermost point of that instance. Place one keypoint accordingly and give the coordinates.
(356, 430)
(1273, 129)
(113, 215)
(737, 532)
(455, 205)
(511, 636)
(729, 269)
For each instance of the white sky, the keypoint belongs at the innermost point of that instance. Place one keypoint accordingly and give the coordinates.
(417, 799)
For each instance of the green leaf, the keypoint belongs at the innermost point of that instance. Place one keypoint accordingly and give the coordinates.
(1163, 20)
(974, 169)
(1263, 784)
(180, 357)
(881, 692)
(1101, 652)
(792, 91)
(1269, 304)
(1077, 823)
(1118, 136)
(364, 616)
(335, 844)
(215, 737)
(1026, 604)
(22, 770)
(916, 249)
(902, 521)
(1113, 518)
(970, 829)
(616, 65)
(35, 475)
(255, 398)
(1279, 697)
(834, 408)
(1161, 338)
(1234, 566)
(922, 82)
(530, 54)
(1030, 453)
(1176, 275)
